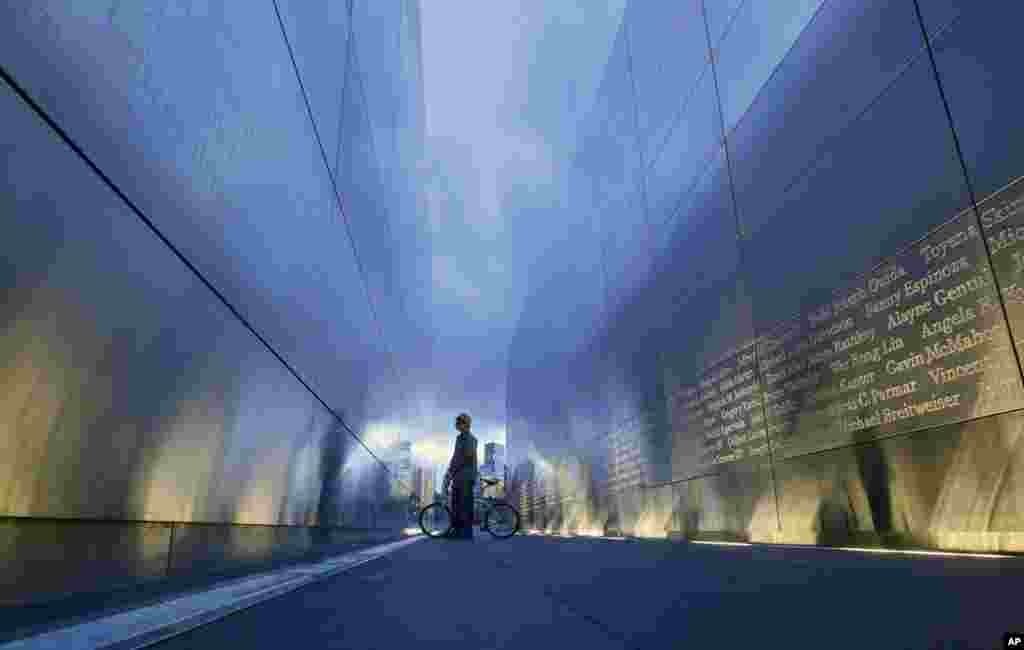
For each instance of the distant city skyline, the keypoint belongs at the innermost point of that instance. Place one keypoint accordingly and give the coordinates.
(494, 460)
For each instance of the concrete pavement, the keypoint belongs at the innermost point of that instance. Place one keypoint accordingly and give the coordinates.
(533, 592)
(147, 625)
(536, 592)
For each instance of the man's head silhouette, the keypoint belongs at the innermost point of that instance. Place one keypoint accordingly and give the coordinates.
(463, 422)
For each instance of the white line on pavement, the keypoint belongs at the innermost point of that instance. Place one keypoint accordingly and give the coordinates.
(144, 626)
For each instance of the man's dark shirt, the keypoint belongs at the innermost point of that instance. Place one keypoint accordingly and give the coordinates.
(463, 467)
(462, 471)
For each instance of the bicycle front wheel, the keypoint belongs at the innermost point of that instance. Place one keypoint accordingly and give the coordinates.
(435, 520)
(502, 520)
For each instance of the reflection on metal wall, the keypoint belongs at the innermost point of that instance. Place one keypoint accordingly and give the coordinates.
(824, 348)
(215, 144)
(129, 391)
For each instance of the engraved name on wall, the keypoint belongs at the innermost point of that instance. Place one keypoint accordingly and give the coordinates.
(918, 342)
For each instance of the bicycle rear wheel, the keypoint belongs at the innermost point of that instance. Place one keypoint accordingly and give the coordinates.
(502, 521)
(435, 520)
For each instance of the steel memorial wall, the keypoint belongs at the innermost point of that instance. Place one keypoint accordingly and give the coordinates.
(145, 432)
(812, 282)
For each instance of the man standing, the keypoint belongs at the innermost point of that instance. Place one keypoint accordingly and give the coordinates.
(461, 475)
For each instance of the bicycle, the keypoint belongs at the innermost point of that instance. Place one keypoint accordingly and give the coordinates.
(499, 518)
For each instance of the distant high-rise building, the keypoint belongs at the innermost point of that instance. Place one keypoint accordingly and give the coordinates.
(423, 483)
(494, 460)
(494, 456)
(399, 465)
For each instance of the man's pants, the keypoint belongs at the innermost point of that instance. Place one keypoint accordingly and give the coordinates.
(462, 509)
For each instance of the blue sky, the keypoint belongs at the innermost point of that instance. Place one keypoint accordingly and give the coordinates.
(497, 124)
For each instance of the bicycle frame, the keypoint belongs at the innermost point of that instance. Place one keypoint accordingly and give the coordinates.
(482, 507)
(481, 504)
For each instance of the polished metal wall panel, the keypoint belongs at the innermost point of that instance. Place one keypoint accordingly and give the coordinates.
(202, 548)
(754, 39)
(130, 392)
(844, 60)
(213, 142)
(660, 33)
(678, 162)
(44, 559)
(939, 15)
(59, 567)
(1001, 216)
(709, 317)
(916, 185)
(719, 16)
(957, 486)
(319, 34)
(640, 513)
(737, 503)
(823, 336)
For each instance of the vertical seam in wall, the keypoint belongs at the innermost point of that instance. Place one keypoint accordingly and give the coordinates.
(636, 135)
(742, 269)
(967, 180)
(170, 551)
